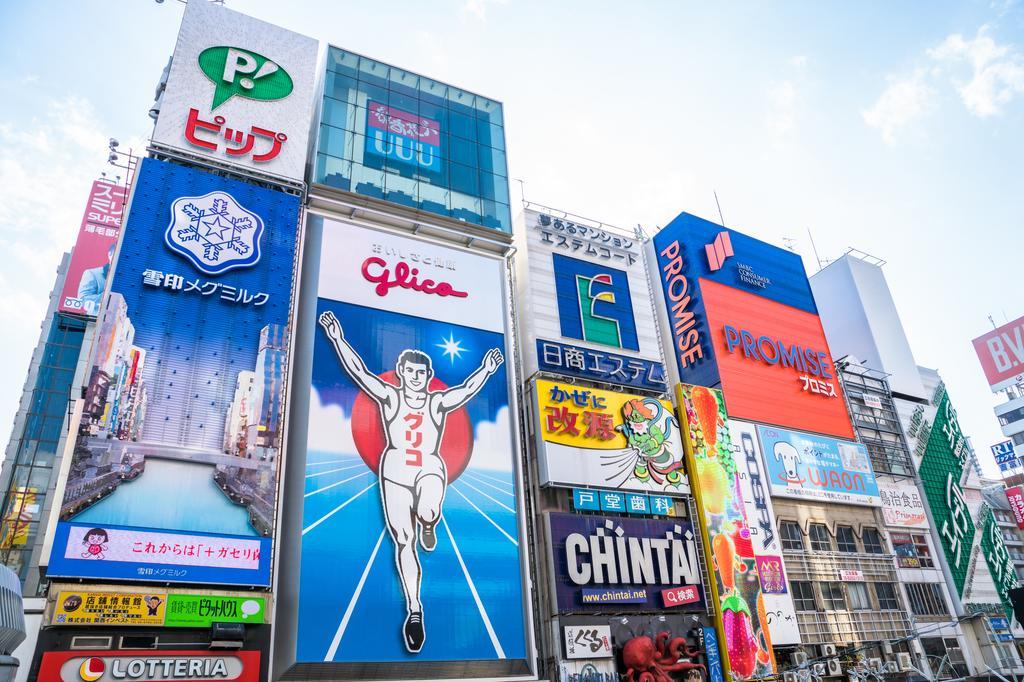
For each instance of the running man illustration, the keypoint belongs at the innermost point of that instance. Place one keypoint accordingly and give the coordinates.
(412, 474)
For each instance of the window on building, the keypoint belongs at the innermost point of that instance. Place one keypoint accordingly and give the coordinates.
(832, 595)
(792, 538)
(803, 596)
(926, 599)
(857, 596)
(872, 541)
(1018, 438)
(912, 550)
(845, 539)
(886, 593)
(820, 539)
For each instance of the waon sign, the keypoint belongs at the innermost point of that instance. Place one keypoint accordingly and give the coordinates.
(1001, 352)
(741, 316)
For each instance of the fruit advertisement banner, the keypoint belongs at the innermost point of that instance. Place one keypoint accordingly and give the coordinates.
(736, 591)
(608, 439)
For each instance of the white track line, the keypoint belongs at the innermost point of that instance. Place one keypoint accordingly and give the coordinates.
(332, 485)
(352, 602)
(500, 529)
(330, 461)
(496, 480)
(476, 597)
(502, 504)
(336, 509)
(489, 485)
(331, 471)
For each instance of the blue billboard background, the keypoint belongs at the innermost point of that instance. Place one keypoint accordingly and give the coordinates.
(804, 465)
(748, 264)
(351, 604)
(180, 430)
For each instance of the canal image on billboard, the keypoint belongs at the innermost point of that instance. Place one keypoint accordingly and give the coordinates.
(410, 543)
(174, 472)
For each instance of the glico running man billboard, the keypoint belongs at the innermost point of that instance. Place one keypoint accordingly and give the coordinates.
(90, 261)
(411, 545)
(174, 472)
(741, 316)
(608, 439)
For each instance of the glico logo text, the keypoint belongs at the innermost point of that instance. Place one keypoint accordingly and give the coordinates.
(774, 352)
(376, 270)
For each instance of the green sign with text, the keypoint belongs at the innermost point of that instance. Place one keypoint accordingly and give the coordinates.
(941, 470)
(202, 610)
(1000, 565)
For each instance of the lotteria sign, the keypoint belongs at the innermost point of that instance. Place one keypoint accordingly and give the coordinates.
(605, 564)
(741, 316)
(106, 666)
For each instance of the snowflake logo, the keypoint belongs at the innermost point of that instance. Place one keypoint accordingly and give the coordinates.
(214, 232)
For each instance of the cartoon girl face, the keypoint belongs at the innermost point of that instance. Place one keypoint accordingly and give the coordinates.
(95, 539)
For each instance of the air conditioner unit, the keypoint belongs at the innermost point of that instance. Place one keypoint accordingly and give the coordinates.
(890, 667)
(875, 664)
(799, 658)
(789, 676)
(834, 667)
(819, 669)
(905, 661)
(828, 650)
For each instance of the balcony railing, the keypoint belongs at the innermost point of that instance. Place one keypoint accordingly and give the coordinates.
(851, 627)
(813, 565)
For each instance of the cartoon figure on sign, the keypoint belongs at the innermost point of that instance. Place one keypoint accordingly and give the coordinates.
(648, 441)
(413, 475)
(153, 605)
(95, 542)
(789, 456)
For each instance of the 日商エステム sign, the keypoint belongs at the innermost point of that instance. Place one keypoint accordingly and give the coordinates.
(586, 304)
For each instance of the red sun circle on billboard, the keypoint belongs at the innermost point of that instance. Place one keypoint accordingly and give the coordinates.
(371, 441)
(92, 669)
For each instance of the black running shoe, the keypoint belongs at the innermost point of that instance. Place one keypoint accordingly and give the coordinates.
(413, 631)
(428, 538)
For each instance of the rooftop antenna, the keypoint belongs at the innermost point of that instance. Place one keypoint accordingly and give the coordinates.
(790, 243)
(992, 322)
(816, 256)
(721, 220)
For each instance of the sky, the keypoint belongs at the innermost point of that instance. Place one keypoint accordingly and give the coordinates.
(893, 128)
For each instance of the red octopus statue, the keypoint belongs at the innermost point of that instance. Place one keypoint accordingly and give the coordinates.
(648, 660)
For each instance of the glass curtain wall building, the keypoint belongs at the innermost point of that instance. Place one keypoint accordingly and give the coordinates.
(391, 134)
(32, 453)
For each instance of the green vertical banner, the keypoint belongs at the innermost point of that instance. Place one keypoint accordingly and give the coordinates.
(998, 559)
(941, 469)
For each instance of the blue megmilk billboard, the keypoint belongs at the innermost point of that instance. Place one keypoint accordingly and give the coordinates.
(176, 456)
(690, 249)
(410, 541)
(809, 466)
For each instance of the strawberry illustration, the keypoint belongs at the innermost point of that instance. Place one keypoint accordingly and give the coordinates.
(739, 636)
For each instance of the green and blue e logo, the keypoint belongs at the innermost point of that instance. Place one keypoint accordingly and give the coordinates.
(594, 303)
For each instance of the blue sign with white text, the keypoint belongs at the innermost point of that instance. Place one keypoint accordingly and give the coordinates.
(585, 500)
(613, 502)
(565, 359)
(1004, 453)
(637, 504)
(175, 467)
(690, 249)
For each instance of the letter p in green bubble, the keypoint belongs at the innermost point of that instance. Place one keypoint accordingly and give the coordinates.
(235, 71)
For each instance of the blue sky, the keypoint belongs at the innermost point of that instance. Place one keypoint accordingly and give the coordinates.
(895, 128)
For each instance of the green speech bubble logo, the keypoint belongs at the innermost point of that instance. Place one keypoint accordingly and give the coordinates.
(235, 71)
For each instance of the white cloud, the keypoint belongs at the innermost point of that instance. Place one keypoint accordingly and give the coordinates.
(905, 101)
(996, 71)
(478, 8)
(492, 449)
(330, 429)
(782, 110)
